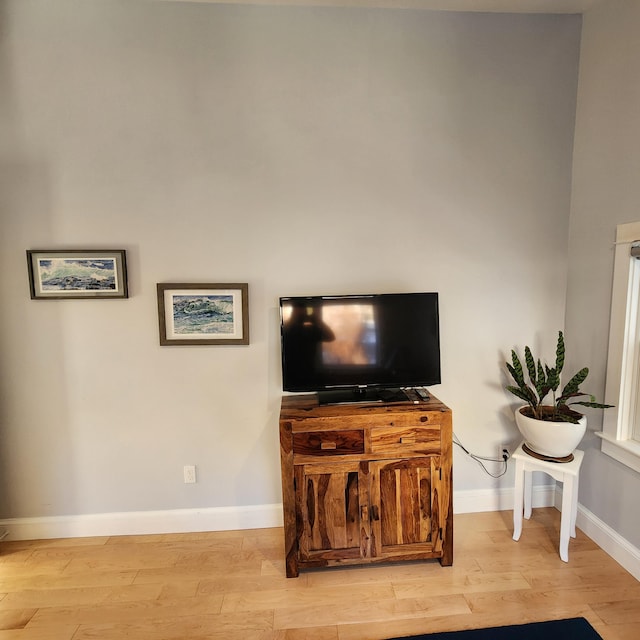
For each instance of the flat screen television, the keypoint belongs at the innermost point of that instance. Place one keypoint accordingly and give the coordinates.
(357, 348)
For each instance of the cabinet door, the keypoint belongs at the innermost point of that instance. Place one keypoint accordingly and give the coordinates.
(330, 499)
(405, 507)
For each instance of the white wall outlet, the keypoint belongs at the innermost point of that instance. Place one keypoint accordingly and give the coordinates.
(189, 473)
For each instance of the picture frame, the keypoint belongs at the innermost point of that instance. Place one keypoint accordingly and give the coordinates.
(64, 274)
(203, 314)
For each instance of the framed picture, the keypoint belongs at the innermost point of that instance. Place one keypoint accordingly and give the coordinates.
(77, 273)
(203, 313)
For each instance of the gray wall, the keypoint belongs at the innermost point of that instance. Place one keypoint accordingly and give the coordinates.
(304, 151)
(606, 193)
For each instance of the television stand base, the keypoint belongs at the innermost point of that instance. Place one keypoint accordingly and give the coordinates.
(361, 395)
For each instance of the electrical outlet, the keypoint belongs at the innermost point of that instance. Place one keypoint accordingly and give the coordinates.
(189, 474)
(505, 452)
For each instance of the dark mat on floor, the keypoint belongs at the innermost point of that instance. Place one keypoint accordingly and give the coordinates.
(571, 629)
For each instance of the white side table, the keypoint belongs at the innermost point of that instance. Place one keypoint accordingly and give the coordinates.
(566, 472)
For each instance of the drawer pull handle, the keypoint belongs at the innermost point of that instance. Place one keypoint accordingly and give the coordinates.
(328, 446)
(408, 440)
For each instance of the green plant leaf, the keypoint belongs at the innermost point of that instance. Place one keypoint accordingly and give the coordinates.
(541, 382)
(563, 417)
(563, 399)
(594, 405)
(516, 369)
(513, 372)
(553, 378)
(531, 365)
(544, 391)
(560, 352)
(573, 386)
(524, 393)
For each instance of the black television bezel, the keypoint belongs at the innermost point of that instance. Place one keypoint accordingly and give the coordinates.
(365, 390)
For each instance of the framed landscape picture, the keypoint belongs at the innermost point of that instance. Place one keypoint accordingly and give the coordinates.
(192, 313)
(77, 273)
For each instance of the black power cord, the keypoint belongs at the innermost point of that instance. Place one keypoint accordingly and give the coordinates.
(481, 459)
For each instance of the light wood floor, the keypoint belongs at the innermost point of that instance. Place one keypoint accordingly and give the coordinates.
(231, 586)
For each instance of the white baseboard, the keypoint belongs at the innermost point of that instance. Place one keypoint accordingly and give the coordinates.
(222, 518)
(270, 515)
(611, 542)
(144, 522)
(620, 549)
(219, 518)
(499, 499)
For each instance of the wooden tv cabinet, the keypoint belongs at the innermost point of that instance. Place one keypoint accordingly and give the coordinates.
(365, 483)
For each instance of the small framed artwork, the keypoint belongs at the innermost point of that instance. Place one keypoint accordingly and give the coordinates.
(195, 313)
(77, 273)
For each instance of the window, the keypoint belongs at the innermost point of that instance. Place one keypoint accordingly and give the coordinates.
(621, 427)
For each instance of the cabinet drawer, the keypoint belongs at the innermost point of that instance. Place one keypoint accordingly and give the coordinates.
(403, 441)
(427, 419)
(328, 443)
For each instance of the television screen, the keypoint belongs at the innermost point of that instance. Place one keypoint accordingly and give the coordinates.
(360, 341)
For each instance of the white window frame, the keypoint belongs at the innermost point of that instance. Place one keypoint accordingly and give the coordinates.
(623, 363)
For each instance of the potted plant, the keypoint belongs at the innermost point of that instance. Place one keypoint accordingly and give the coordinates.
(552, 430)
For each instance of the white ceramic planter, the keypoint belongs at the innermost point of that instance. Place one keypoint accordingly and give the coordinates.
(552, 439)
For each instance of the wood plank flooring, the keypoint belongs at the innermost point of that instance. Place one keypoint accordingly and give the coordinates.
(231, 585)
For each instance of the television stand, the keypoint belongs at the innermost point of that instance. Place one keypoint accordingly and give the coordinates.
(361, 395)
(365, 484)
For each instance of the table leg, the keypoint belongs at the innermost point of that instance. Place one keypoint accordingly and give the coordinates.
(528, 491)
(574, 506)
(518, 495)
(566, 516)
